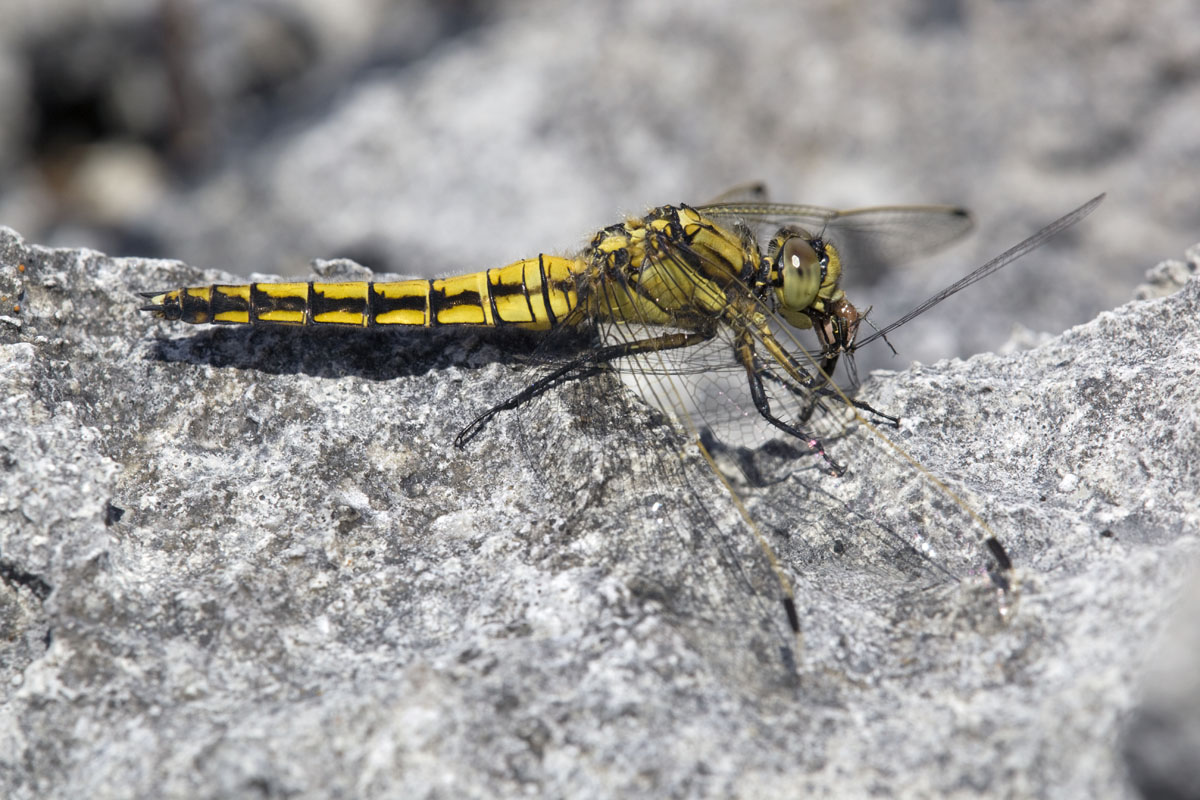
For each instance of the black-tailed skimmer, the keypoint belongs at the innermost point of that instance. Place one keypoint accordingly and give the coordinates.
(697, 307)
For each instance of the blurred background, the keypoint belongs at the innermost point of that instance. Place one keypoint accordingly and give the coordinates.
(425, 137)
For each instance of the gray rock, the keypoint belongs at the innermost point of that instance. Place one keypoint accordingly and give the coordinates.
(241, 562)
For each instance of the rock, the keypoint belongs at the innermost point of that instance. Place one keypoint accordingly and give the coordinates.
(240, 561)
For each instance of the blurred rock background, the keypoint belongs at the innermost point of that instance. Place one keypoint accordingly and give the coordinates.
(427, 137)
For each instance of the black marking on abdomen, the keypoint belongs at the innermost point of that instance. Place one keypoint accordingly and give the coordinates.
(320, 304)
(439, 303)
(222, 303)
(262, 303)
(380, 305)
(545, 291)
(192, 308)
(492, 288)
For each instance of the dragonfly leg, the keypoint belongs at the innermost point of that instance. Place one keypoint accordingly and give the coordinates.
(860, 405)
(813, 389)
(584, 366)
(754, 372)
(804, 392)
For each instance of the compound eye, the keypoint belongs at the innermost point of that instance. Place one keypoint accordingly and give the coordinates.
(802, 271)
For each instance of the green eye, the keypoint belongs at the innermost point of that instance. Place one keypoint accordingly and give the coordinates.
(802, 271)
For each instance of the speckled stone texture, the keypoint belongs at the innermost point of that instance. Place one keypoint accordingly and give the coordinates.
(250, 562)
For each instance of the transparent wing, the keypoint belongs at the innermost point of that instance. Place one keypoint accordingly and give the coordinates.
(909, 533)
(870, 239)
(750, 192)
(999, 262)
(706, 390)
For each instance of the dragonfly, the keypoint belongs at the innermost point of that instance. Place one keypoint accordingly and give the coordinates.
(699, 308)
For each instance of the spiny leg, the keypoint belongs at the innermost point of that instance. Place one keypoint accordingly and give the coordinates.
(817, 386)
(754, 372)
(810, 394)
(859, 404)
(813, 385)
(584, 366)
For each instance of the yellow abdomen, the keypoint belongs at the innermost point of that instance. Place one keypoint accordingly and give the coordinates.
(536, 293)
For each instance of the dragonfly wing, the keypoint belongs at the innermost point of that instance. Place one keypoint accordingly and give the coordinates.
(752, 192)
(999, 262)
(706, 389)
(869, 239)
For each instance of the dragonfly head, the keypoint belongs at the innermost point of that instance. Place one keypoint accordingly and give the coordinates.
(806, 271)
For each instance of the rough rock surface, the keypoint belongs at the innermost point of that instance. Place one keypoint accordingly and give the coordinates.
(241, 563)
